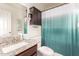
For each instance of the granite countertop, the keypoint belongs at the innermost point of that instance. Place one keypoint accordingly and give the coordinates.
(31, 42)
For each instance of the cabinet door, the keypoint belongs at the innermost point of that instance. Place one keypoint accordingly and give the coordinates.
(36, 16)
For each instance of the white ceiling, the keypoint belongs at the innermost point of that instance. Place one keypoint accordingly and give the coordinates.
(42, 6)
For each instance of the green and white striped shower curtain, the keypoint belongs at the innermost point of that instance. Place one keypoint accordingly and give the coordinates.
(60, 32)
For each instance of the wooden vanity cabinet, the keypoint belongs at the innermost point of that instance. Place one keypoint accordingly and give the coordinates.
(29, 52)
(35, 16)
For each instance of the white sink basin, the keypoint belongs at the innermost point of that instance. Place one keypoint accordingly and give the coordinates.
(13, 47)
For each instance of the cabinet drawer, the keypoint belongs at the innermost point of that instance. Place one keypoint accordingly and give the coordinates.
(29, 52)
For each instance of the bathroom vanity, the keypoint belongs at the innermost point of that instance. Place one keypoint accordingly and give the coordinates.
(23, 48)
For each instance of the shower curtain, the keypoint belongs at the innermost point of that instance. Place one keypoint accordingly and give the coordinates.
(60, 31)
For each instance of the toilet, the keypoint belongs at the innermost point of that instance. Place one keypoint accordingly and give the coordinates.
(46, 51)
